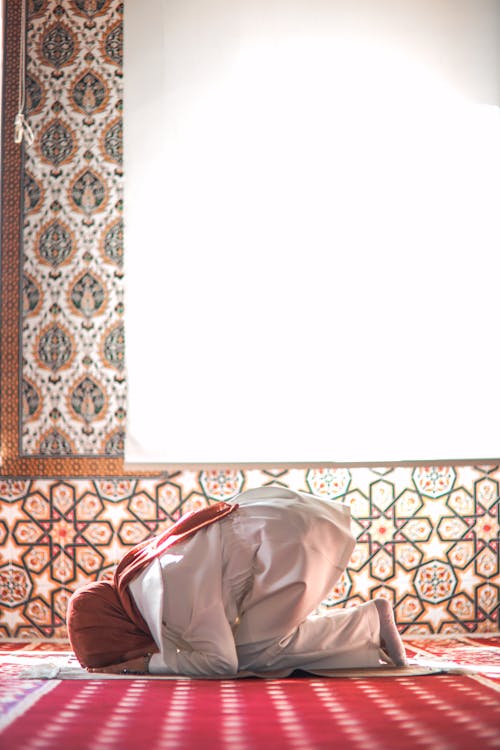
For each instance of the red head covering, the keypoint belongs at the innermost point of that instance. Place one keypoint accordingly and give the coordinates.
(100, 631)
(104, 625)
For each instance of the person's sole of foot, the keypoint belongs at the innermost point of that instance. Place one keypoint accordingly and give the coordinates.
(391, 640)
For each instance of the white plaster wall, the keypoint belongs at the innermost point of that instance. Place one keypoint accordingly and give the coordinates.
(314, 185)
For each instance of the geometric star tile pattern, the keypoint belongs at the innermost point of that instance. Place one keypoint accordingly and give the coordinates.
(427, 539)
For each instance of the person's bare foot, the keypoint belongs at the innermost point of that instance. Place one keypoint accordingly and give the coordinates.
(391, 640)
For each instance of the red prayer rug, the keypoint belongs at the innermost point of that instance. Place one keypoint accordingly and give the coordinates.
(460, 655)
(449, 712)
(445, 711)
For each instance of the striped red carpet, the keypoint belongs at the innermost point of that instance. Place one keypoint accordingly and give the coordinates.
(439, 712)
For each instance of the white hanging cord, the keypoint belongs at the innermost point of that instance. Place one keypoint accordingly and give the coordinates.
(22, 128)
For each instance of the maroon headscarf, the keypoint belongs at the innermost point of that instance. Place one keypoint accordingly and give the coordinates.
(104, 625)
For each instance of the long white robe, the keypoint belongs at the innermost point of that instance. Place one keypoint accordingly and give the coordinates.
(238, 595)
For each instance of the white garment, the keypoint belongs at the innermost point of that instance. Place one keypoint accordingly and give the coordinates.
(238, 594)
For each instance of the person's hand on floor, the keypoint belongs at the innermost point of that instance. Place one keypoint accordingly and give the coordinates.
(138, 665)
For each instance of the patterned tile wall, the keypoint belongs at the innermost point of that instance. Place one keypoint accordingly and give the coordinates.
(73, 386)
(427, 538)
